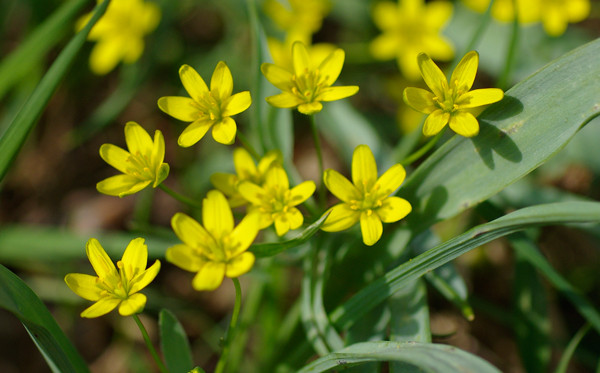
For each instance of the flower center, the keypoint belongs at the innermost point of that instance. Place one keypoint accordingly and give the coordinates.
(209, 107)
(141, 166)
(451, 95)
(371, 200)
(308, 85)
(276, 201)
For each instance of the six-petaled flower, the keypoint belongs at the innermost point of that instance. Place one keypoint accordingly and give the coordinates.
(207, 107)
(141, 166)
(367, 198)
(114, 286)
(215, 249)
(453, 102)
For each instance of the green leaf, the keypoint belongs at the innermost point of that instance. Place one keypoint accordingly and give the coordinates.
(20, 62)
(427, 356)
(14, 137)
(17, 298)
(533, 122)
(273, 248)
(174, 343)
(379, 290)
(563, 364)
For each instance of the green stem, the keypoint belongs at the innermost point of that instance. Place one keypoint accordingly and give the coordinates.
(246, 144)
(570, 349)
(424, 149)
(317, 140)
(157, 359)
(232, 324)
(483, 24)
(180, 197)
(503, 81)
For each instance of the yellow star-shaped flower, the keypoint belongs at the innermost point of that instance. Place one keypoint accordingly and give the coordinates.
(206, 108)
(453, 102)
(275, 202)
(141, 166)
(308, 83)
(367, 198)
(114, 286)
(217, 249)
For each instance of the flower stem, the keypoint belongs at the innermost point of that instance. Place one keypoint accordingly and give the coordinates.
(424, 149)
(157, 359)
(232, 324)
(180, 197)
(246, 144)
(504, 79)
(317, 141)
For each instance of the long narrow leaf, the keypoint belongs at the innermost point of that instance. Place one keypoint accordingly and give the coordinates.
(17, 298)
(427, 356)
(557, 213)
(174, 343)
(16, 134)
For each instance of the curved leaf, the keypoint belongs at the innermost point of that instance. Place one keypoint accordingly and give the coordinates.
(429, 357)
(174, 343)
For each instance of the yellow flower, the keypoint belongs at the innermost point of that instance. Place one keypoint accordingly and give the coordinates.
(217, 249)
(504, 11)
(308, 83)
(141, 166)
(206, 108)
(367, 198)
(275, 202)
(246, 170)
(301, 17)
(452, 103)
(114, 286)
(410, 27)
(280, 51)
(120, 33)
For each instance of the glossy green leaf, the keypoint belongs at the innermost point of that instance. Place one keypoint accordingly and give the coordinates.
(20, 62)
(274, 248)
(174, 343)
(17, 298)
(16, 134)
(428, 357)
(533, 122)
(556, 213)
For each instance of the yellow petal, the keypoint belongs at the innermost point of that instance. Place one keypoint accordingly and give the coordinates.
(161, 174)
(295, 218)
(138, 140)
(463, 75)
(244, 164)
(394, 209)
(145, 278)
(339, 186)
(433, 76)
(273, 157)
(370, 227)
(284, 100)
(390, 180)
(282, 224)
(578, 10)
(209, 277)
(437, 14)
(385, 15)
(193, 83)
(158, 151)
(419, 99)
(301, 193)
(251, 192)
(85, 286)
(224, 182)
(194, 132)
(190, 231)
(184, 257)
(216, 215)
(239, 265)
(385, 47)
(435, 122)
(554, 21)
(364, 169)
(182, 108)
(121, 185)
(135, 47)
(221, 82)
(300, 59)
(310, 108)
(278, 76)
(116, 157)
(341, 217)
(276, 178)
(464, 124)
(106, 55)
(236, 104)
(331, 66)
(224, 131)
(132, 305)
(101, 262)
(337, 93)
(244, 234)
(479, 97)
(101, 307)
(135, 258)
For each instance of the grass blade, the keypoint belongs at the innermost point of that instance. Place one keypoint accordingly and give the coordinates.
(174, 343)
